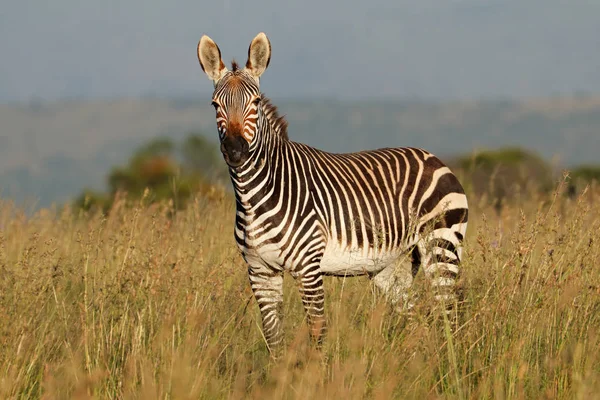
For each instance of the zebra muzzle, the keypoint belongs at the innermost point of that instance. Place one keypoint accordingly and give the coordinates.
(235, 150)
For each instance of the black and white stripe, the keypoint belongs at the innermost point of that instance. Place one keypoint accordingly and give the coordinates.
(313, 213)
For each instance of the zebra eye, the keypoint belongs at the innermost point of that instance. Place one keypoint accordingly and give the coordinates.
(256, 101)
(215, 104)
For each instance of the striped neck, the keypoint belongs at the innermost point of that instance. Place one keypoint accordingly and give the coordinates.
(265, 150)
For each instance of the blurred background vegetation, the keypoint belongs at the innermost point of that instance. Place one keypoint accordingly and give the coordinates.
(50, 151)
(175, 172)
(162, 170)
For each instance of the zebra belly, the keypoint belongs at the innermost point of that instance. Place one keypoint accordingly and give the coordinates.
(338, 260)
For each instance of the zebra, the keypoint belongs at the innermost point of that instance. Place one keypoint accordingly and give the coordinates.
(313, 213)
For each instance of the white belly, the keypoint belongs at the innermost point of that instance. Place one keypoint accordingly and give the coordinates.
(342, 261)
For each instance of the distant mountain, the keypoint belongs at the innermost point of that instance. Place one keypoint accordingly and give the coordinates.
(49, 152)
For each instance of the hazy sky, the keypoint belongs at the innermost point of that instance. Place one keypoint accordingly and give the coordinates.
(341, 48)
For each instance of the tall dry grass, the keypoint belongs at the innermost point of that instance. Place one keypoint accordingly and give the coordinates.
(142, 304)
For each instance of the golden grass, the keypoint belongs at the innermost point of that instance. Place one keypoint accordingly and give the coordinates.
(141, 305)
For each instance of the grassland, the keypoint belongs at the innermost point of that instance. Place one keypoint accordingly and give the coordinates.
(143, 304)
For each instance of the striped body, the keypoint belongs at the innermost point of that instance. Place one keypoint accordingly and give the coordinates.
(313, 213)
(360, 212)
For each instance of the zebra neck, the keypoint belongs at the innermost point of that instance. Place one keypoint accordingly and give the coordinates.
(256, 178)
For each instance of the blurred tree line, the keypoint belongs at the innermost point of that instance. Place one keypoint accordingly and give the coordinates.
(162, 170)
(506, 174)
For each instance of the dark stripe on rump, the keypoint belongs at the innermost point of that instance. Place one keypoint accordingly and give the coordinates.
(443, 244)
(447, 183)
(452, 217)
(429, 167)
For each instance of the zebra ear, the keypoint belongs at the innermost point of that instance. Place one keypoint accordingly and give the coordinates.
(259, 55)
(209, 56)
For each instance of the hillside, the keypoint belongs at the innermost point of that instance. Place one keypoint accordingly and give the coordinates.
(49, 152)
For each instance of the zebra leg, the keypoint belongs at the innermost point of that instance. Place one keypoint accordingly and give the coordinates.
(440, 254)
(394, 281)
(267, 286)
(313, 300)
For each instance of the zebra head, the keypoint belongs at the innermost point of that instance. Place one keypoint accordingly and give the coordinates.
(237, 95)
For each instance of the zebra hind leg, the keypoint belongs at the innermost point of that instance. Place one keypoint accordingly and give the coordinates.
(440, 254)
(395, 281)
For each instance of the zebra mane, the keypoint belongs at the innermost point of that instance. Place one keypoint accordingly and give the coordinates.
(278, 122)
(234, 65)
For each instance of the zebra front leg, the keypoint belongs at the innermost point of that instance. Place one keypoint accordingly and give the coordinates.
(267, 286)
(313, 300)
